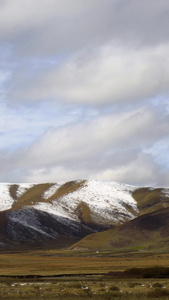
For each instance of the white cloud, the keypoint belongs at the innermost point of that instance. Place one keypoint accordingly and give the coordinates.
(43, 26)
(109, 75)
(17, 17)
(139, 171)
(110, 57)
(86, 141)
(54, 174)
(106, 147)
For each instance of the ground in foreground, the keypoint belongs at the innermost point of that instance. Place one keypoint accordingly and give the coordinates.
(70, 275)
(84, 288)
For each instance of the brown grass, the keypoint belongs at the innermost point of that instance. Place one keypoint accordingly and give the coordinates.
(35, 194)
(67, 188)
(13, 191)
(148, 232)
(79, 287)
(32, 196)
(72, 262)
(82, 288)
(149, 200)
(84, 213)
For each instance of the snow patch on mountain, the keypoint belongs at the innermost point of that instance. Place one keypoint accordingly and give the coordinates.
(52, 190)
(22, 188)
(107, 201)
(27, 218)
(6, 201)
(166, 192)
(57, 208)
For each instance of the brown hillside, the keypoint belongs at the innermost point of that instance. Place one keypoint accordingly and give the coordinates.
(149, 200)
(149, 231)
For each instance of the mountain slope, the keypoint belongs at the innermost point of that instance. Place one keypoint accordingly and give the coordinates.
(60, 214)
(149, 232)
(36, 213)
(151, 200)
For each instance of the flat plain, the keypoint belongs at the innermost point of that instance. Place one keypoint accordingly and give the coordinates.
(78, 275)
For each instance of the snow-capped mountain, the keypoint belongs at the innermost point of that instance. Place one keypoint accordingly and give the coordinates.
(74, 209)
(64, 212)
(106, 203)
(105, 199)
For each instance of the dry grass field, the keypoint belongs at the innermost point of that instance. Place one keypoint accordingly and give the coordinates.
(52, 262)
(79, 275)
(84, 289)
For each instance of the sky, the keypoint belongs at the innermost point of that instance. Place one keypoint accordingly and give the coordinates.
(84, 91)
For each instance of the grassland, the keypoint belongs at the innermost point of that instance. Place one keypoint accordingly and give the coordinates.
(140, 250)
(150, 200)
(85, 289)
(149, 232)
(78, 275)
(52, 262)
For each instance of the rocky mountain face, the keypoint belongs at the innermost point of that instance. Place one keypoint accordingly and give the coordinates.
(61, 214)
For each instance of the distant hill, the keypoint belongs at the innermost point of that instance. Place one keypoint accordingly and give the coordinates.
(148, 232)
(86, 214)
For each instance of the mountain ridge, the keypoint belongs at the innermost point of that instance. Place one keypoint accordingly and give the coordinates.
(148, 232)
(48, 213)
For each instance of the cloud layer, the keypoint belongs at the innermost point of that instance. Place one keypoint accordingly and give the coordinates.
(84, 90)
(106, 76)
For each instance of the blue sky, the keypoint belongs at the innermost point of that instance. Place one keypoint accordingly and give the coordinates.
(84, 91)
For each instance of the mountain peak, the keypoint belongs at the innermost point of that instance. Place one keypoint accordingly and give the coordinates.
(74, 209)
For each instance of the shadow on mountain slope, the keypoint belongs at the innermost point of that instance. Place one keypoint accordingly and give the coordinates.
(149, 231)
